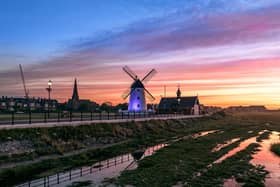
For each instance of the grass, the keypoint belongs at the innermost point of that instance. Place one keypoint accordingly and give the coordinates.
(275, 148)
(80, 184)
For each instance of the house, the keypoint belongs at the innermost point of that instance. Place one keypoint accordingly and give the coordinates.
(21, 104)
(252, 108)
(186, 105)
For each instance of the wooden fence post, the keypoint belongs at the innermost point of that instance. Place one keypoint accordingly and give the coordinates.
(57, 176)
(29, 117)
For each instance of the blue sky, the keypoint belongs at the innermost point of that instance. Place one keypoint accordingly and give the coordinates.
(215, 48)
(36, 29)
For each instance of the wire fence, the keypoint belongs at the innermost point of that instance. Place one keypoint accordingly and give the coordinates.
(69, 175)
(45, 117)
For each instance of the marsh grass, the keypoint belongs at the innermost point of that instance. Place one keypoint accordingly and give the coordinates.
(80, 184)
(179, 162)
(237, 166)
(263, 136)
(189, 162)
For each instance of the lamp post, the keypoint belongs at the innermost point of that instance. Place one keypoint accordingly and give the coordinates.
(178, 104)
(49, 89)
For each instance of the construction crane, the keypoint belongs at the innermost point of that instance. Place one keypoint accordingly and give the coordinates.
(24, 86)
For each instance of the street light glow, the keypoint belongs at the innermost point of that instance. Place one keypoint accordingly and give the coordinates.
(49, 82)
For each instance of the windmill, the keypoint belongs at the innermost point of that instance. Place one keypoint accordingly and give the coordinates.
(137, 91)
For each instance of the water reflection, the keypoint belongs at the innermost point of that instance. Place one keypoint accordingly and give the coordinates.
(100, 171)
(263, 157)
(243, 145)
(227, 143)
(232, 152)
(119, 164)
(196, 135)
(231, 183)
(200, 134)
(268, 159)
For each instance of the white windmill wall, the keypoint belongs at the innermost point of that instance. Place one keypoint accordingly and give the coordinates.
(137, 101)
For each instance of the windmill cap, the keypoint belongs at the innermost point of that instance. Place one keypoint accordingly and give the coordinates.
(137, 84)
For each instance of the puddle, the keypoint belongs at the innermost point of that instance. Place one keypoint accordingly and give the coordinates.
(268, 159)
(196, 135)
(179, 184)
(241, 147)
(103, 170)
(261, 132)
(200, 134)
(231, 183)
(263, 157)
(232, 152)
(227, 143)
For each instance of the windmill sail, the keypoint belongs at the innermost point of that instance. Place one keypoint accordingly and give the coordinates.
(149, 76)
(149, 95)
(137, 93)
(130, 72)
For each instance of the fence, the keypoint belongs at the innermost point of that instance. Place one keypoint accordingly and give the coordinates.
(73, 174)
(59, 178)
(45, 117)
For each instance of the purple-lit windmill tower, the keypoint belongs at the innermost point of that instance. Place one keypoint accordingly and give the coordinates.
(137, 91)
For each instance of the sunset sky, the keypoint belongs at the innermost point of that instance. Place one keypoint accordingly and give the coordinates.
(227, 52)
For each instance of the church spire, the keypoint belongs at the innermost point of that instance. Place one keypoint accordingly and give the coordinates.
(75, 96)
(178, 92)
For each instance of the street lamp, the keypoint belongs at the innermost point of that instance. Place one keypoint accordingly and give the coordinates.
(49, 89)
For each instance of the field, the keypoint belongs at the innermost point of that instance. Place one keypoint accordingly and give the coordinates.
(188, 162)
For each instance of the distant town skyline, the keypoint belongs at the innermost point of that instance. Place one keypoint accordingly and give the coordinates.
(227, 52)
